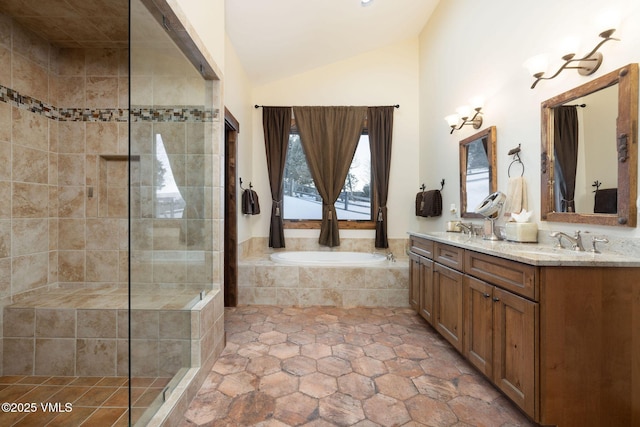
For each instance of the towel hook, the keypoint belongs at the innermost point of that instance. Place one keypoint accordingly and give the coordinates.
(242, 188)
(515, 152)
(442, 184)
(423, 187)
(596, 184)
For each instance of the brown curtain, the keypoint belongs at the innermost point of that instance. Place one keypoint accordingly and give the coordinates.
(276, 122)
(565, 139)
(329, 137)
(380, 125)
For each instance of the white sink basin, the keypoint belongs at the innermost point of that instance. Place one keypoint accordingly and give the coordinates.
(553, 252)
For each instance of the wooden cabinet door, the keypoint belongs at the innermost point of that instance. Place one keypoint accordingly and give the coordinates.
(478, 318)
(414, 281)
(447, 285)
(514, 369)
(426, 290)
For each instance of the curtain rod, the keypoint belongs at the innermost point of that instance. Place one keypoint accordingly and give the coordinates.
(260, 106)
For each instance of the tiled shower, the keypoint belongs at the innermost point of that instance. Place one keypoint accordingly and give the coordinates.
(110, 222)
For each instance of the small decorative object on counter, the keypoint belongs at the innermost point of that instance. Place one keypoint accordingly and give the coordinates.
(519, 229)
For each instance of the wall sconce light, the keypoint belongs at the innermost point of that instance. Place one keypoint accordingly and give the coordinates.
(586, 65)
(463, 116)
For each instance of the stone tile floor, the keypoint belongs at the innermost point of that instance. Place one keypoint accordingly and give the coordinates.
(324, 366)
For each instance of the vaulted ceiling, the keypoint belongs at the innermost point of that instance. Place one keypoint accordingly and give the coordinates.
(278, 38)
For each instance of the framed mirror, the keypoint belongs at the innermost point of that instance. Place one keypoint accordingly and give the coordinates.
(477, 170)
(589, 152)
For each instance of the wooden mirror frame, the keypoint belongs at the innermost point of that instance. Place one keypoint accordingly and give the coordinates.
(490, 134)
(626, 146)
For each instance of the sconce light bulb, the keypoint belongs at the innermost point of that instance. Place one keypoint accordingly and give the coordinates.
(477, 103)
(464, 112)
(569, 47)
(608, 21)
(452, 120)
(537, 65)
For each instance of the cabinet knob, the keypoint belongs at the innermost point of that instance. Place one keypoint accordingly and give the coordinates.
(496, 299)
(486, 295)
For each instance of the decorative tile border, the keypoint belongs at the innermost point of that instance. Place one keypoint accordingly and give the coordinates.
(177, 114)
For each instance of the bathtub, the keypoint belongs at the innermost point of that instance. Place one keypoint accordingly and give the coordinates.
(328, 258)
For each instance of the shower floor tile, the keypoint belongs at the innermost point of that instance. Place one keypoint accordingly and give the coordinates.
(95, 401)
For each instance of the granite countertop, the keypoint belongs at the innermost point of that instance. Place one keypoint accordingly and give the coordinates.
(532, 253)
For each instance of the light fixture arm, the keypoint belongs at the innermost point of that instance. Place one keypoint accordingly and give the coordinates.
(584, 68)
(475, 121)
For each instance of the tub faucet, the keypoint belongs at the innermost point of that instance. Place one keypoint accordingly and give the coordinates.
(575, 241)
(391, 257)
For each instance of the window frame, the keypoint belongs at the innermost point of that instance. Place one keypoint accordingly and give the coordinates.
(345, 224)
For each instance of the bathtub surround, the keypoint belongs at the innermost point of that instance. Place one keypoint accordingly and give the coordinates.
(262, 281)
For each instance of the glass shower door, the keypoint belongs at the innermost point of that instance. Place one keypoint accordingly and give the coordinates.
(171, 254)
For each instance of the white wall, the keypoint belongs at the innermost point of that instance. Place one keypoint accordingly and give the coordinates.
(206, 18)
(386, 76)
(478, 48)
(237, 99)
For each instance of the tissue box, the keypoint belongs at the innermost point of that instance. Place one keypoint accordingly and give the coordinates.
(521, 231)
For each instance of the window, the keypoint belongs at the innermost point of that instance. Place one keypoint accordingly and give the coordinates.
(303, 204)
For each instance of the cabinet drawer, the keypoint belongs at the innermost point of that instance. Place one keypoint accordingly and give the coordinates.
(513, 276)
(449, 255)
(422, 247)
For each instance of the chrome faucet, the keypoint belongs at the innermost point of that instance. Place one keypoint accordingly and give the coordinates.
(466, 228)
(575, 241)
(391, 257)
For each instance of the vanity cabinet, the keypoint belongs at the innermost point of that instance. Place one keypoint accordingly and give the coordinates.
(421, 278)
(447, 296)
(561, 340)
(500, 339)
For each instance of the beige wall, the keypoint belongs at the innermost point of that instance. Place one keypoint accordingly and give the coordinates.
(238, 100)
(478, 48)
(385, 76)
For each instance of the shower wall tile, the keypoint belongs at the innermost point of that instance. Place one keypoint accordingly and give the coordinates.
(5, 238)
(30, 165)
(71, 170)
(17, 356)
(53, 267)
(96, 357)
(31, 46)
(100, 266)
(70, 92)
(53, 169)
(71, 266)
(29, 236)
(102, 234)
(55, 323)
(29, 78)
(102, 62)
(29, 272)
(71, 201)
(18, 322)
(71, 234)
(71, 136)
(5, 161)
(54, 204)
(102, 137)
(29, 129)
(5, 277)
(102, 92)
(5, 123)
(29, 200)
(54, 242)
(123, 140)
(5, 72)
(69, 62)
(55, 356)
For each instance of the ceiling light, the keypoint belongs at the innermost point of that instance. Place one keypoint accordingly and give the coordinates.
(365, 2)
